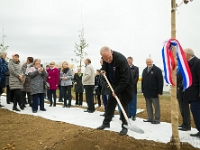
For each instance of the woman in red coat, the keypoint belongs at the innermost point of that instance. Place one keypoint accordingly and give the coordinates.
(52, 79)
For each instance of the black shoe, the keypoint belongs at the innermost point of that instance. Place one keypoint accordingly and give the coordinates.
(34, 111)
(134, 118)
(102, 114)
(68, 106)
(196, 135)
(155, 122)
(185, 129)
(21, 107)
(1, 106)
(147, 121)
(8, 102)
(43, 109)
(180, 126)
(64, 106)
(123, 131)
(16, 109)
(103, 126)
(50, 105)
(54, 105)
(89, 111)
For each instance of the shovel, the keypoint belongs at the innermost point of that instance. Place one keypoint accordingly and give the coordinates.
(129, 126)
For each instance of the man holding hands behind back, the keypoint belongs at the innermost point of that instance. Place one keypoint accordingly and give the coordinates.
(152, 88)
(118, 73)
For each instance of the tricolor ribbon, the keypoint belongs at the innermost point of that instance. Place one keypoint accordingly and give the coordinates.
(169, 63)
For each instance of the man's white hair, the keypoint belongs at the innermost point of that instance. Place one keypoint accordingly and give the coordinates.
(105, 49)
(189, 51)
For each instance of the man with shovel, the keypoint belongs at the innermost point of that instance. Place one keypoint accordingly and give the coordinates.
(116, 69)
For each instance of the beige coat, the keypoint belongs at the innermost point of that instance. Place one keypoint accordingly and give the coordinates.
(88, 75)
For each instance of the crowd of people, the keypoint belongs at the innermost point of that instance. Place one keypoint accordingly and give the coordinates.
(27, 84)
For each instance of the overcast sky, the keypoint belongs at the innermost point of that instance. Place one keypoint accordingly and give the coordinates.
(48, 29)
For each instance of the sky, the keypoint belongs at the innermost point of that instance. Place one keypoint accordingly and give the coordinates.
(49, 29)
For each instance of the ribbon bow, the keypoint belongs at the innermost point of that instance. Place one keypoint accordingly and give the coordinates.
(169, 63)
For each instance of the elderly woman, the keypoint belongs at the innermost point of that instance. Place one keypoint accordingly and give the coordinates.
(3, 70)
(15, 81)
(38, 76)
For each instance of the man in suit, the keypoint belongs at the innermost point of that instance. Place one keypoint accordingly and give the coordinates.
(183, 105)
(192, 94)
(119, 75)
(132, 106)
(152, 88)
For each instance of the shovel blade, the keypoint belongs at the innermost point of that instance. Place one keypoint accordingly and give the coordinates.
(134, 128)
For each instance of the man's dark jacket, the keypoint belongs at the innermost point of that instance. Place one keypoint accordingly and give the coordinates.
(152, 82)
(135, 76)
(123, 83)
(192, 93)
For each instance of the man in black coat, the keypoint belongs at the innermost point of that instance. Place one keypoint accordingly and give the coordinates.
(192, 94)
(118, 73)
(152, 88)
(183, 105)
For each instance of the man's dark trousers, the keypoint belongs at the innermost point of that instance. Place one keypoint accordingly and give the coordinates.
(111, 105)
(89, 97)
(184, 109)
(195, 109)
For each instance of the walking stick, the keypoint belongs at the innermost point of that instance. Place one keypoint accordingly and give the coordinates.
(129, 126)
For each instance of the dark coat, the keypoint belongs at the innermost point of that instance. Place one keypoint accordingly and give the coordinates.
(152, 82)
(192, 93)
(135, 76)
(105, 90)
(3, 71)
(78, 87)
(98, 85)
(179, 81)
(123, 83)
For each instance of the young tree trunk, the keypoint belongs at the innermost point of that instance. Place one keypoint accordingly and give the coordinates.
(175, 140)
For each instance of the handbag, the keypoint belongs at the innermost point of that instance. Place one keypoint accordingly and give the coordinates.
(46, 85)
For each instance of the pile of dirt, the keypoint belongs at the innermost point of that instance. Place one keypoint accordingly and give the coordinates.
(26, 132)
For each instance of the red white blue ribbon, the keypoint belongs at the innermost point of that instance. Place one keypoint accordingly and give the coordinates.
(169, 63)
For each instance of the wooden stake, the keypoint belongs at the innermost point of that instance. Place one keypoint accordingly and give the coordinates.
(175, 140)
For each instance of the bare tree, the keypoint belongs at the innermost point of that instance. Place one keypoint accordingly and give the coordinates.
(79, 49)
(3, 48)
